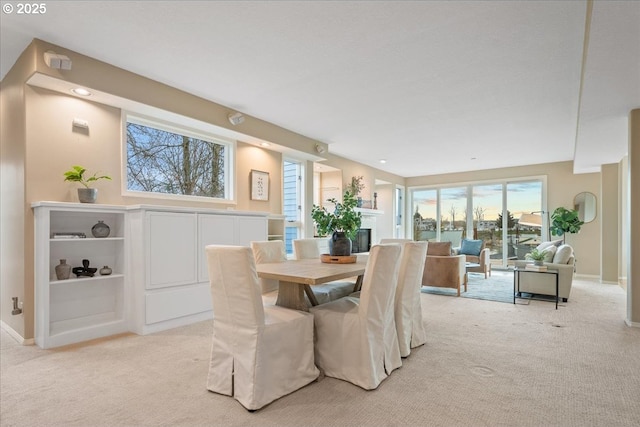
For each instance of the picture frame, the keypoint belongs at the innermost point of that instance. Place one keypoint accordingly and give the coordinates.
(259, 185)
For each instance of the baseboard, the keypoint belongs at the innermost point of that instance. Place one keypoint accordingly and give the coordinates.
(632, 324)
(587, 276)
(15, 335)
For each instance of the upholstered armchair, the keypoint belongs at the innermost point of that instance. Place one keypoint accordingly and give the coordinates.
(562, 259)
(441, 269)
(476, 252)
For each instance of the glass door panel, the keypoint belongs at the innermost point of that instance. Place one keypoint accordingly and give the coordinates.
(453, 214)
(425, 213)
(522, 198)
(487, 208)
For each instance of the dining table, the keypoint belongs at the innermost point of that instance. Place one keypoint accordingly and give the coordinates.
(296, 277)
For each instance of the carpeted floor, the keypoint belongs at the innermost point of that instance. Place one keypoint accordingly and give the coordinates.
(484, 364)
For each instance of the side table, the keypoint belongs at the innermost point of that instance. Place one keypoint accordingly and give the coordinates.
(516, 280)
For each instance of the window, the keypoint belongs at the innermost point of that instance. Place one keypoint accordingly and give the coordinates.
(165, 159)
(292, 196)
(477, 210)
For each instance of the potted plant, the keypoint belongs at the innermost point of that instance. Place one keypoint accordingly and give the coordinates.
(85, 194)
(355, 187)
(342, 224)
(565, 220)
(537, 256)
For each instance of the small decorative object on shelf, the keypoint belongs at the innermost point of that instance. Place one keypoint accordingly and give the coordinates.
(100, 230)
(69, 235)
(375, 200)
(86, 194)
(105, 271)
(63, 270)
(85, 270)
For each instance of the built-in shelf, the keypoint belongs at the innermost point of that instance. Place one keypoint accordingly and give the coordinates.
(78, 308)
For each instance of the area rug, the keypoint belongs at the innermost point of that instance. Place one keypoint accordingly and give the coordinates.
(498, 287)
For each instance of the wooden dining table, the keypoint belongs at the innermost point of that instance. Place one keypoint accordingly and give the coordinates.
(297, 276)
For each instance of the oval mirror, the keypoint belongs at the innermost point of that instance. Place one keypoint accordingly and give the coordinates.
(585, 204)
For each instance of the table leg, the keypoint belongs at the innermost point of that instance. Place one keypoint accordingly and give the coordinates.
(557, 290)
(310, 295)
(358, 284)
(291, 295)
(515, 273)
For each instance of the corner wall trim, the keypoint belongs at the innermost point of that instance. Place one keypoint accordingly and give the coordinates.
(632, 324)
(16, 336)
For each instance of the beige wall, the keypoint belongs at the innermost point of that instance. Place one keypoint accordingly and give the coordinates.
(13, 230)
(562, 187)
(633, 268)
(608, 211)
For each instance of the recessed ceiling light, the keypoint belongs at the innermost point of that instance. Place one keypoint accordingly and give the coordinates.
(81, 91)
(383, 161)
(473, 158)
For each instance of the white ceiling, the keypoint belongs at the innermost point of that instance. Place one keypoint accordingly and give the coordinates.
(430, 86)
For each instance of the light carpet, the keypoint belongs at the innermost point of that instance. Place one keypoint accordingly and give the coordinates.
(484, 364)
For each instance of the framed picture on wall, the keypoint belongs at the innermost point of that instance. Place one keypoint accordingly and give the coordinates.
(259, 185)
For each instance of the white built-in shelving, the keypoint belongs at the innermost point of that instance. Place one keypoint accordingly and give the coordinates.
(78, 308)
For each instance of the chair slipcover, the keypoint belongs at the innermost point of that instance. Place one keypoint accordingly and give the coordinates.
(268, 251)
(383, 241)
(408, 310)
(258, 353)
(310, 249)
(356, 338)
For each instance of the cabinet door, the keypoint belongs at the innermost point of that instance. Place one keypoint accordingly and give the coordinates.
(250, 229)
(213, 230)
(171, 249)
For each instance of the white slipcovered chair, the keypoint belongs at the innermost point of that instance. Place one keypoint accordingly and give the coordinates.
(258, 353)
(268, 251)
(310, 249)
(408, 310)
(356, 338)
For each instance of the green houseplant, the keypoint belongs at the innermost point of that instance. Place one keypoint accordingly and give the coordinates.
(85, 194)
(342, 224)
(537, 256)
(565, 220)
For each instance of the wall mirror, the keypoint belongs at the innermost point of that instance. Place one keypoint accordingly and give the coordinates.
(585, 204)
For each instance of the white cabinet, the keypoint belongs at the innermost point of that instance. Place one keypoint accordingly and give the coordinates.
(173, 287)
(78, 308)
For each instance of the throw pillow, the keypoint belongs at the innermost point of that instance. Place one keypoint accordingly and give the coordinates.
(563, 254)
(549, 253)
(439, 248)
(470, 247)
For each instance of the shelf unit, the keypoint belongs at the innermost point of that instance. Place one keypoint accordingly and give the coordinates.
(275, 225)
(79, 308)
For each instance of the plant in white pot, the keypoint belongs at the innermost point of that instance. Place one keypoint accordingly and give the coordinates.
(86, 194)
(342, 224)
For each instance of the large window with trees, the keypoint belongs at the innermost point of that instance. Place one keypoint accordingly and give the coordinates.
(166, 159)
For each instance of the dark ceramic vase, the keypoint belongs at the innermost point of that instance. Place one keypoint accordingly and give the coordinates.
(100, 230)
(339, 244)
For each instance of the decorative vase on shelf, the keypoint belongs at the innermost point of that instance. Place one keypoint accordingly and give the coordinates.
(339, 244)
(538, 262)
(100, 230)
(63, 270)
(105, 271)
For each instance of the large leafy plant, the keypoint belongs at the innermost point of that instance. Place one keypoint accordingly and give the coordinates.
(565, 220)
(76, 174)
(344, 218)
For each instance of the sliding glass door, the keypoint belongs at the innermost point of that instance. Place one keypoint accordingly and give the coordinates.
(487, 211)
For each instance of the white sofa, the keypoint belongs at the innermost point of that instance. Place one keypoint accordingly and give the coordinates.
(545, 284)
